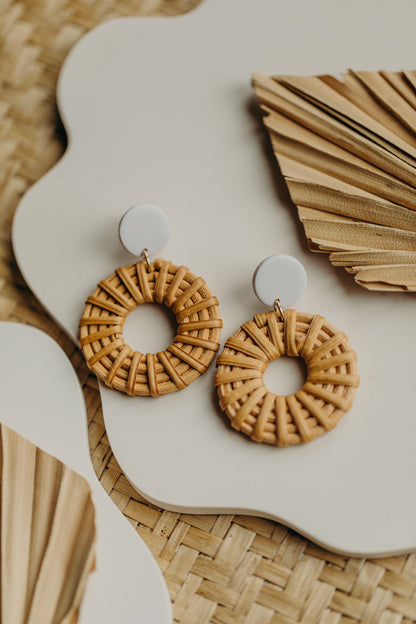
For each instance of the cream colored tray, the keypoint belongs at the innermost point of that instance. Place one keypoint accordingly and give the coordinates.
(161, 111)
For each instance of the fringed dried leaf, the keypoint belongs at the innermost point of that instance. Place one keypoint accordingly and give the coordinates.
(347, 150)
(47, 534)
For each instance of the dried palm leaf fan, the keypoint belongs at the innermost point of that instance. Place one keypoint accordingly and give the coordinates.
(347, 150)
(47, 535)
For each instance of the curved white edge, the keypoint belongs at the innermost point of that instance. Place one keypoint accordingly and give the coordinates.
(126, 585)
(66, 80)
(361, 550)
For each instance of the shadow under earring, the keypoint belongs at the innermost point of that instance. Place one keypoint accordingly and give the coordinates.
(331, 363)
(144, 230)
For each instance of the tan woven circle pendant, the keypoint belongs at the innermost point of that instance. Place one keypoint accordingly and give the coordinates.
(296, 418)
(135, 373)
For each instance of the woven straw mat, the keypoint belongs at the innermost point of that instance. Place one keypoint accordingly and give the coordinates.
(219, 569)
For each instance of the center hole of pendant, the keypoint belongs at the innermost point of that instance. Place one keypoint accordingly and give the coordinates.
(286, 375)
(149, 328)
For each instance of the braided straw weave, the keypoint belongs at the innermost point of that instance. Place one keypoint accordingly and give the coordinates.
(193, 347)
(301, 417)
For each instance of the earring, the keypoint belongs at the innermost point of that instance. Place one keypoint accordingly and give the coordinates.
(144, 230)
(332, 369)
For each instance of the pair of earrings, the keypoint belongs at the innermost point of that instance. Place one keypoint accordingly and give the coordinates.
(265, 417)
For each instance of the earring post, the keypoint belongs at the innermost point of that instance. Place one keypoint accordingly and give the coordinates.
(145, 255)
(277, 307)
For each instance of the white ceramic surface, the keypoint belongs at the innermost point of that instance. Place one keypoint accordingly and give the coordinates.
(144, 227)
(161, 111)
(280, 277)
(41, 399)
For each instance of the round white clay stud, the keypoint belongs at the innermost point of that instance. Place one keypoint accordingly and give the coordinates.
(279, 277)
(144, 227)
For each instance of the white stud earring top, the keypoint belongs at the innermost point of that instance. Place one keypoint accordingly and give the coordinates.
(144, 227)
(279, 277)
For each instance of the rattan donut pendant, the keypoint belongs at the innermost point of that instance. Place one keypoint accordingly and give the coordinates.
(193, 348)
(301, 417)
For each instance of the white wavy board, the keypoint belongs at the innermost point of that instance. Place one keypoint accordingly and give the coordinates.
(161, 111)
(41, 399)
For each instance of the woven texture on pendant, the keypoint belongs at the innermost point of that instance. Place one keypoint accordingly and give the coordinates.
(301, 417)
(135, 373)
